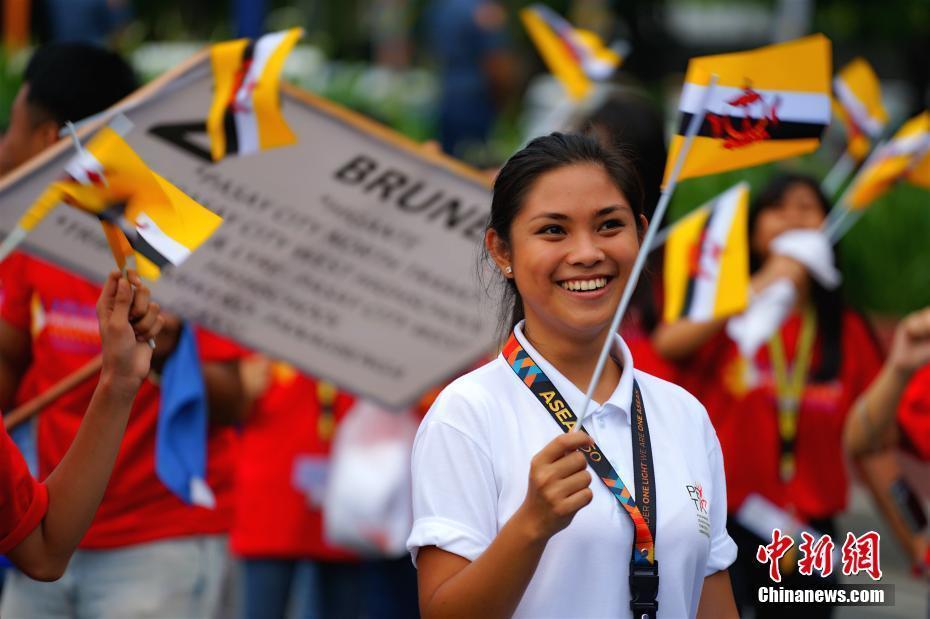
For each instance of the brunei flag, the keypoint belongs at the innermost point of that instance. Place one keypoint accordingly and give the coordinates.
(707, 260)
(142, 214)
(858, 103)
(906, 156)
(245, 116)
(768, 104)
(575, 57)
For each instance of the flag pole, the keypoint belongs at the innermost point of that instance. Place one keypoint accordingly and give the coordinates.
(840, 171)
(643, 254)
(662, 236)
(833, 225)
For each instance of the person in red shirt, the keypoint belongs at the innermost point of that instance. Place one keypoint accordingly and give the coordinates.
(146, 552)
(42, 523)
(278, 523)
(751, 400)
(897, 406)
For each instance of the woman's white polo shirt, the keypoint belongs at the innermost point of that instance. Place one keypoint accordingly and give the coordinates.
(471, 461)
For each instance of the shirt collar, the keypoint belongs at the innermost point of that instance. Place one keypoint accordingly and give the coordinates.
(620, 400)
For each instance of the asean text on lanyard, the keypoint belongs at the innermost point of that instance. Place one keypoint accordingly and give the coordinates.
(789, 388)
(644, 569)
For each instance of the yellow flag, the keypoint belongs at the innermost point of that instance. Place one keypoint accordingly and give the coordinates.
(575, 57)
(858, 104)
(245, 115)
(903, 157)
(768, 104)
(707, 260)
(142, 214)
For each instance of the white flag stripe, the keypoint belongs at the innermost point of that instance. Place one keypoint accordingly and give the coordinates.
(246, 122)
(246, 130)
(804, 107)
(173, 251)
(855, 108)
(82, 163)
(597, 68)
(264, 48)
(705, 285)
(915, 144)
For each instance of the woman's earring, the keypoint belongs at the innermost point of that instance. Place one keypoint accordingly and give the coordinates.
(508, 270)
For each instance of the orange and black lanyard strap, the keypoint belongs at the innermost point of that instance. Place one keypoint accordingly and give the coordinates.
(790, 389)
(644, 569)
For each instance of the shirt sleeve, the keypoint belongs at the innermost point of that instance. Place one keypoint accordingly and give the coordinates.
(722, 547)
(213, 347)
(23, 500)
(16, 291)
(914, 414)
(454, 492)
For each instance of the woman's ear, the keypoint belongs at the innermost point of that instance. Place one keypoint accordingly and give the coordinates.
(499, 252)
(643, 227)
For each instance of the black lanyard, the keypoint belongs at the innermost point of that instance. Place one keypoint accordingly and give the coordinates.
(644, 569)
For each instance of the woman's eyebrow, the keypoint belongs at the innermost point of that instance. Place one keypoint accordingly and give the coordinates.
(558, 216)
(607, 210)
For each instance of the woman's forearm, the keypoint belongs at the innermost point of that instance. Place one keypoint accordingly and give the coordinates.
(717, 598)
(679, 340)
(492, 586)
(872, 416)
(77, 485)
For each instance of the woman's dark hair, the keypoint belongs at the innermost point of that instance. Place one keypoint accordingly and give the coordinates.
(542, 155)
(828, 304)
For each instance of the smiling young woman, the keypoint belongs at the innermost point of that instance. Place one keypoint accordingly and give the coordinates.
(507, 520)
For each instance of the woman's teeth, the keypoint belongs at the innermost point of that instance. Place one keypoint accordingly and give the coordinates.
(585, 284)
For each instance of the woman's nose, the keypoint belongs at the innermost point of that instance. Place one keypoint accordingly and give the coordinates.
(586, 251)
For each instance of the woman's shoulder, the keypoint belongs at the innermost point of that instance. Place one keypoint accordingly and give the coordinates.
(467, 400)
(666, 389)
(673, 399)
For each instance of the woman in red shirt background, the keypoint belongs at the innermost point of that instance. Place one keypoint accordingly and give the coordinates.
(813, 369)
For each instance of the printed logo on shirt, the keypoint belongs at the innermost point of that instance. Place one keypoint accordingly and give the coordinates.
(72, 327)
(701, 504)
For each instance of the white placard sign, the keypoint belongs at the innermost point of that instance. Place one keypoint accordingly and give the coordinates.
(351, 255)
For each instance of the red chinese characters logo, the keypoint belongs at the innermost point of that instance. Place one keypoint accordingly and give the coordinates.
(771, 553)
(860, 554)
(817, 555)
(758, 116)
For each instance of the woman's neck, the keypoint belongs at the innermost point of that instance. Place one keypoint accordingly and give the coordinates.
(575, 358)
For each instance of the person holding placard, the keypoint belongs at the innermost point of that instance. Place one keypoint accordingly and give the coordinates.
(507, 520)
(779, 407)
